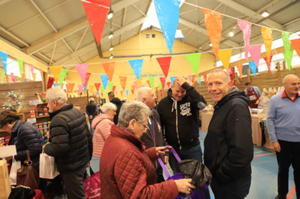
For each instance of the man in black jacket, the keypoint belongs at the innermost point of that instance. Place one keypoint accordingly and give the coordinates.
(228, 144)
(70, 142)
(117, 102)
(179, 114)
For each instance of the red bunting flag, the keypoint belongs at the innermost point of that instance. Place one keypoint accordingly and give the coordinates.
(97, 86)
(123, 80)
(268, 62)
(296, 45)
(164, 63)
(86, 80)
(50, 82)
(163, 82)
(96, 12)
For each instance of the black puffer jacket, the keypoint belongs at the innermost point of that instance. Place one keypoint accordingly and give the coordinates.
(69, 137)
(181, 118)
(26, 137)
(228, 144)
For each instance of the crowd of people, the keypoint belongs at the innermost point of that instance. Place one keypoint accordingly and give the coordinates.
(126, 138)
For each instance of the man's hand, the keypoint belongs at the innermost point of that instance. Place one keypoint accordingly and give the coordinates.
(276, 146)
(180, 81)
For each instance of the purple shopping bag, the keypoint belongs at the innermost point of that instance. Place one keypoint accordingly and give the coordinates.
(196, 194)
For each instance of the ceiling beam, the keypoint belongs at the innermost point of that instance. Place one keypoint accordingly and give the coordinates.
(244, 10)
(122, 4)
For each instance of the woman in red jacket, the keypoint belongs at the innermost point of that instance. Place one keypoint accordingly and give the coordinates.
(127, 170)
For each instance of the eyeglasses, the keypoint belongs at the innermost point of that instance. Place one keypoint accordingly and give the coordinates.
(144, 125)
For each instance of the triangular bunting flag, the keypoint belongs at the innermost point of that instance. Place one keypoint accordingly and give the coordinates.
(104, 80)
(97, 86)
(4, 56)
(224, 56)
(70, 87)
(253, 67)
(164, 63)
(168, 15)
(123, 80)
(194, 60)
(62, 75)
(288, 51)
(136, 65)
(86, 79)
(82, 69)
(21, 66)
(163, 82)
(109, 69)
(127, 92)
(267, 37)
(245, 26)
(172, 79)
(255, 52)
(213, 23)
(151, 82)
(96, 12)
(296, 45)
(55, 71)
(268, 62)
(50, 82)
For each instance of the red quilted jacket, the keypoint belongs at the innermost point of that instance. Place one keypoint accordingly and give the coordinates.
(127, 171)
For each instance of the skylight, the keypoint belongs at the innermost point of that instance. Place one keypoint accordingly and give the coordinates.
(151, 19)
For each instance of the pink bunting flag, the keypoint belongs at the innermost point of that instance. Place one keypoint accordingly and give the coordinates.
(245, 26)
(86, 80)
(82, 70)
(12, 77)
(80, 88)
(255, 52)
(164, 63)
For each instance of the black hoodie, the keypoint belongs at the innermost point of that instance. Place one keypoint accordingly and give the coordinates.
(180, 119)
(228, 144)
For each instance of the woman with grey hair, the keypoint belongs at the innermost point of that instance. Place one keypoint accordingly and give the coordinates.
(102, 125)
(127, 170)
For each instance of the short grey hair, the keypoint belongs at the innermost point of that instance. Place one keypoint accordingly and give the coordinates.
(142, 92)
(133, 110)
(108, 106)
(287, 77)
(57, 94)
(219, 70)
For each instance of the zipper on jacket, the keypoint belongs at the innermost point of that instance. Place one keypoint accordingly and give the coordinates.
(177, 131)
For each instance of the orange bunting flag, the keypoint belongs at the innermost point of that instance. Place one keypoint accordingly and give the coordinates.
(224, 56)
(132, 89)
(296, 45)
(109, 69)
(70, 87)
(55, 71)
(123, 80)
(164, 63)
(267, 37)
(213, 23)
(240, 69)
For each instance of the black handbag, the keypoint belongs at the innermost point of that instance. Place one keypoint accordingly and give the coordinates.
(195, 170)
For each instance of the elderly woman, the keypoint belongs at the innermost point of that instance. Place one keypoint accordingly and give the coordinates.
(102, 125)
(24, 135)
(127, 170)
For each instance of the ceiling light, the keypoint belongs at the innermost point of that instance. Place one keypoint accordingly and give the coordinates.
(230, 34)
(210, 45)
(110, 36)
(110, 15)
(111, 56)
(111, 49)
(265, 14)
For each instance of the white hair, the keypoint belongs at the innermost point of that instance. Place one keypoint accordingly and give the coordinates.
(220, 71)
(57, 94)
(142, 93)
(287, 77)
(108, 106)
(133, 110)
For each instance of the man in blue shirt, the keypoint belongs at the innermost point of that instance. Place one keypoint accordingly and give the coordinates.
(283, 124)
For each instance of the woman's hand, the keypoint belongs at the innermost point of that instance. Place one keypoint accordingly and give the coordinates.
(184, 185)
(161, 150)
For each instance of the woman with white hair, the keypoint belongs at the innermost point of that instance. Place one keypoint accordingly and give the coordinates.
(102, 125)
(127, 170)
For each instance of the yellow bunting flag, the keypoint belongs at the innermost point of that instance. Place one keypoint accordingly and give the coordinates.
(267, 37)
(55, 71)
(224, 56)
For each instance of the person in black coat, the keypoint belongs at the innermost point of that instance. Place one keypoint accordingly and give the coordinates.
(91, 109)
(24, 135)
(70, 142)
(228, 144)
(117, 102)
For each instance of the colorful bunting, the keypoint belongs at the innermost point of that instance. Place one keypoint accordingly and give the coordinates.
(245, 26)
(169, 84)
(268, 62)
(224, 56)
(96, 12)
(4, 56)
(168, 15)
(109, 69)
(255, 52)
(172, 79)
(50, 82)
(164, 63)
(21, 66)
(123, 80)
(267, 37)
(12, 77)
(86, 80)
(213, 23)
(136, 65)
(97, 86)
(253, 67)
(151, 81)
(80, 88)
(55, 71)
(194, 60)
(127, 92)
(296, 45)
(104, 80)
(288, 51)
(82, 70)
(163, 82)
(70, 87)
(62, 75)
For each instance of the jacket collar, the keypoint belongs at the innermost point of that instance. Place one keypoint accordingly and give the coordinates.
(126, 134)
(284, 95)
(64, 108)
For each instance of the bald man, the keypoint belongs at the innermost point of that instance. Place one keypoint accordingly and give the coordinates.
(283, 124)
(228, 144)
